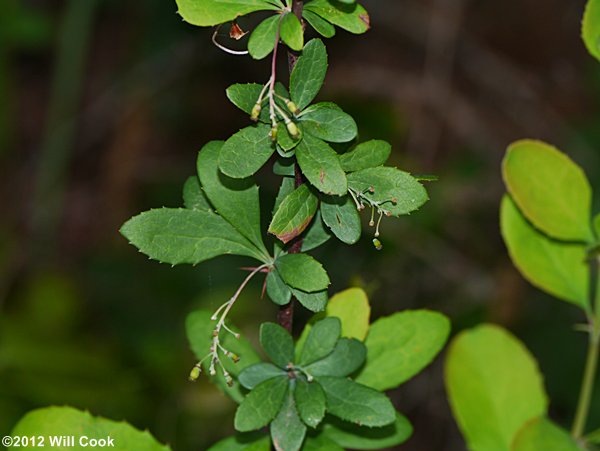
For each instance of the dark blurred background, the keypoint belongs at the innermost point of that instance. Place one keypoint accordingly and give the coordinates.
(103, 107)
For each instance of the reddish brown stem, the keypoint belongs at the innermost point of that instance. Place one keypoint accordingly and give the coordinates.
(285, 316)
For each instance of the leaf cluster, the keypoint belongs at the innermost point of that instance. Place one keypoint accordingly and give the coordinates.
(327, 387)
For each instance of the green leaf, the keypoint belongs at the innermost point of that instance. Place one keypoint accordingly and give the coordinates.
(245, 96)
(287, 430)
(294, 214)
(316, 234)
(321, 166)
(351, 17)
(321, 340)
(246, 152)
(206, 13)
(328, 122)
(67, 421)
(315, 302)
(308, 74)
(401, 345)
(351, 307)
(369, 154)
(176, 236)
(249, 441)
(256, 374)
(555, 267)
(356, 403)
(193, 196)
(235, 200)
(262, 40)
(310, 401)
(389, 184)
(261, 405)
(590, 30)
(320, 25)
(303, 272)
(341, 216)
(291, 32)
(494, 386)
(199, 330)
(284, 140)
(277, 290)
(549, 189)
(284, 167)
(348, 355)
(320, 443)
(352, 436)
(543, 434)
(277, 343)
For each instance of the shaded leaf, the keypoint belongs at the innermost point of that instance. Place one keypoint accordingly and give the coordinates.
(351, 307)
(396, 190)
(369, 154)
(555, 267)
(316, 234)
(277, 290)
(550, 189)
(261, 405)
(287, 430)
(291, 32)
(310, 402)
(176, 236)
(320, 341)
(67, 421)
(494, 386)
(328, 122)
(249, 441)
(315, 302)
(206, 13)
(341, 216)
(350, 17)
(320, 443)
(235, 200)
(277, 343)
(246, 152)
(401, 345)
(308, 74)
(321, 166)
(356, 403)
(193, 196)
(347, 356)
(294, 214)
(353, 436)
(303, 272)
(320, 25)
(262, 40)
(256, 374)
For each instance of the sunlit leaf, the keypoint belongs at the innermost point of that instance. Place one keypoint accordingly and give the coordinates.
(551, 191)
(556, 267)
(67, 422)
(494, 387)
(401, 345)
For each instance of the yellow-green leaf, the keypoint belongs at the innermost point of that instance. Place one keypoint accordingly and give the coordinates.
(550, 189)
(591, 28)
(494, 387)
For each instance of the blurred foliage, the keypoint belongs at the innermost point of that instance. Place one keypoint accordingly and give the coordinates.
(95, 325)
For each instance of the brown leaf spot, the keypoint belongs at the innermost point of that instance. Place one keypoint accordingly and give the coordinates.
(366, 19)
(322, 176)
